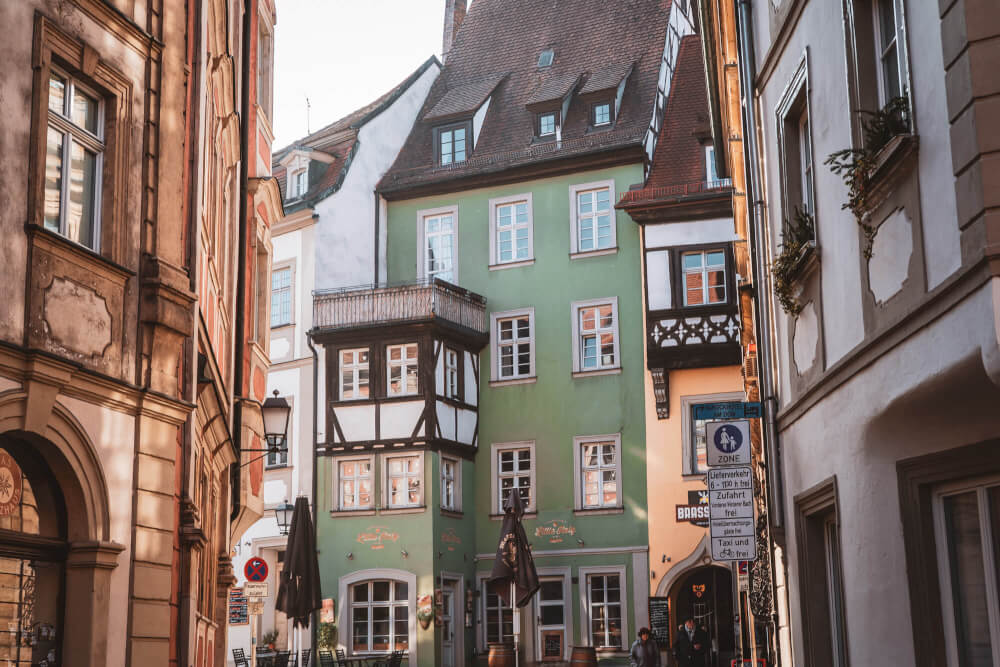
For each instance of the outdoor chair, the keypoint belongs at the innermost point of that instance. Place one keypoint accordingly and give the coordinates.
(395, 660)
(341, 657)
(282, 658)
(306, 653)
(326, 659)
(240, 658)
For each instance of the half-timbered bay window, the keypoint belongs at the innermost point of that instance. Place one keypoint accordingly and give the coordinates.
(73, 160)
(704, 277)
(404, 481)
(354, 381)
(499, 621)
(355, 484)
(595, 335)
(401, 369)
(514, 469)
(452, 375)
(599, 468)
(513, 345)
(604, 599)
(379, 617)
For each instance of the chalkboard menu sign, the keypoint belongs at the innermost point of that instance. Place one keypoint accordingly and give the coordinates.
(552, 644)
(659, 620)
(238, 607)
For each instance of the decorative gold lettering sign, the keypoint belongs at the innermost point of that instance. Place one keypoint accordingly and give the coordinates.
(555, 530)
(10, 485)
(376, 536)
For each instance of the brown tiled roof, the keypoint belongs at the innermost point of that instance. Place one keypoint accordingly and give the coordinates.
(606, 78)
(464, 99)
(586, 36)
(338, 139)
(554, 87)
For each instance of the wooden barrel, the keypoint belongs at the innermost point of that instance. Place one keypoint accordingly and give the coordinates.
(583, 656)
(502, 655)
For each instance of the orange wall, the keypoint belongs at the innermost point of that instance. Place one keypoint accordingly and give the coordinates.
(666, 487)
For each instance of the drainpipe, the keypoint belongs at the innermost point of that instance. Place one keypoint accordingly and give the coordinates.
(241, 263)
(378, 207)
(762, 300)
(315, 483)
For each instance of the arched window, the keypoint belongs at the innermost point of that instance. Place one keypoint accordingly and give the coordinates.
(33, 551)
(379, 616)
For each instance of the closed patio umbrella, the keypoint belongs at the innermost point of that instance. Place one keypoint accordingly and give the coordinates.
(298, 590)
(514, 577)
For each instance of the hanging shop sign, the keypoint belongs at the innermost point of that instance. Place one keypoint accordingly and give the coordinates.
(425, 610)
(239, 614)
(696, 510)
(10, 485)
(731, 520)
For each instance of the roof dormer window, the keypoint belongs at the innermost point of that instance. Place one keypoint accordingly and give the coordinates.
(298, 184)
(546, 124)
(545, 58)
(452, 143)
(600, 114)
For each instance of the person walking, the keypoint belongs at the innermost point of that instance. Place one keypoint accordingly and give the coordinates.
(691, 645)
(645, 652)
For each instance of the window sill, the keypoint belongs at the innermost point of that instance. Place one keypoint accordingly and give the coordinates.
(513, 381)
(533, 514)
(598, 511)
(278, 466)
(891, 163)
(601, 371)
(286, 325)
(453, 514)
(594, 253)
(347, 513)
(401, 510)
(512, 265)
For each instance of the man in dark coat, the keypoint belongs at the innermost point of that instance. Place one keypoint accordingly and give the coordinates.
(691, 646)
(645, 652)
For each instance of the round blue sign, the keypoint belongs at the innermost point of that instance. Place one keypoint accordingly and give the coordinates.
(728, 438)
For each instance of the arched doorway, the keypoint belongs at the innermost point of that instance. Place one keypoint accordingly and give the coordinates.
(33, 553)
(706, 593)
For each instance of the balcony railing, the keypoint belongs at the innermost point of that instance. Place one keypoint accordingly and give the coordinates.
(693, 337)
(357, 307)
(674, 191)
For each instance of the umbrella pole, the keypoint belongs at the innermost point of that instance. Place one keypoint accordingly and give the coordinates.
(516, 623)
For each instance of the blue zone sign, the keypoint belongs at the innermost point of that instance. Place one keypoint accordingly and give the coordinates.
(726, 411)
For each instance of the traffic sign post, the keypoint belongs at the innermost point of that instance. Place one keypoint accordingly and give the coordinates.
(255, 569)
(731, 522)
(728, 442)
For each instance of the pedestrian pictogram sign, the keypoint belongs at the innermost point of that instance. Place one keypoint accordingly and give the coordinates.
(728, 442)
(256, 569)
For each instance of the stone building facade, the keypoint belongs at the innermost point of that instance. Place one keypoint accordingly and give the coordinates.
(131, 363)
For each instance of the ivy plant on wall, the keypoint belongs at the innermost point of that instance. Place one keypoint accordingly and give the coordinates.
(857, 165)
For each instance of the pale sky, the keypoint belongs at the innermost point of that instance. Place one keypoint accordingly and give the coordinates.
(343, 54)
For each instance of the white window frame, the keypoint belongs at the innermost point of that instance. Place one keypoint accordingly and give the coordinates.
(393, 605)
(482, 638)
(344, 610)
(298, 183)
(584, 574)
(496, 507)
(495, 319)
(555, 123)
(337, 497)
(421, 476)
(988, 539)
(687, 425)
(703, 270)
(575, 308)
(452, 372)
(494, 204)
(578, 467)
(404, 363)
(422, 216)
(291, 294)
(806, 161)
(61, 122)
(355, 366)
(710, 173)
(610, 107)
(879, 51)
(574, 223)
(456, 482)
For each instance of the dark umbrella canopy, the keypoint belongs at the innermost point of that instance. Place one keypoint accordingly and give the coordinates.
(514, 563)
(298, 590)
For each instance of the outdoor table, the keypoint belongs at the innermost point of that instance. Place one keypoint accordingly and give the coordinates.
(265, 658)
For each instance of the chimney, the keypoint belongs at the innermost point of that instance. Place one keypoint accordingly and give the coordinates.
(454, 14)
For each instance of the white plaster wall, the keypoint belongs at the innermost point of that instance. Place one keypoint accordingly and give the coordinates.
(357, 422)
(398, 420)
(446, 419)
(839, 436)
(471, 387)
(943, 254)
(686, 233)
(658, 294)
(467, 421)
(347, 218)
(112, 434)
